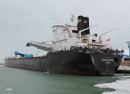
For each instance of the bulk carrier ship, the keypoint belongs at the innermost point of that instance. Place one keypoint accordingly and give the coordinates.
(73, 50)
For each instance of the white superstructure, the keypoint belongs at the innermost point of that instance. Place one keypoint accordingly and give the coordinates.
(65, 39)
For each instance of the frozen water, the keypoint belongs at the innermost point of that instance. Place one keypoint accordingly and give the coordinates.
(120, 87)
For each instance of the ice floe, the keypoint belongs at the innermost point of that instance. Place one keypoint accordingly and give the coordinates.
(120, 87)
(8, 89)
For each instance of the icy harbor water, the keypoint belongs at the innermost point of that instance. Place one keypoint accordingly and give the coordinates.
(19, 81)
(121, 86)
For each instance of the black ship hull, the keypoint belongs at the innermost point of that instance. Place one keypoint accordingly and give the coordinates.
(76, 62)
(34, 63)
(82, 63)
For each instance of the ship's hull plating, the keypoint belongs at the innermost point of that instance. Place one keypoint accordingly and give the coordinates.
(35, 64)
(78, 62)
(82, 63)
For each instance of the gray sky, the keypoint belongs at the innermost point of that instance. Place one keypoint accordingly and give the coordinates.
(25, 20)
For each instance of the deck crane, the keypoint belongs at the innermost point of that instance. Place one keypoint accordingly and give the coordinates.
(100, 36)
(40, 45)
(23, 55)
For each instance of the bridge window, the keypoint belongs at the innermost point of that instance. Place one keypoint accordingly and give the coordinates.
(93, 41)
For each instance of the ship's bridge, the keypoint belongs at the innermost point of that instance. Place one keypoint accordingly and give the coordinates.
(67, 36)
(63, 37)
(61, 32)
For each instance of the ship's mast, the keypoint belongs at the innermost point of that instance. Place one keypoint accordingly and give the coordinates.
(72, 18)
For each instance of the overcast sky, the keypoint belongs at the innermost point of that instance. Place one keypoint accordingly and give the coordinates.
(25, 20)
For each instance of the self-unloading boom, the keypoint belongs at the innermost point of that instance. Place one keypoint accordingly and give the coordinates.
(40, 45)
